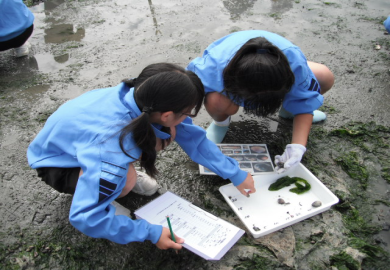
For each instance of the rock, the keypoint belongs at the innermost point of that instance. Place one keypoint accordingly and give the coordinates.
(281, 243)
(356, 255)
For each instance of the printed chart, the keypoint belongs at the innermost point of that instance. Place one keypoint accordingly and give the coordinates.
(204, 233)
(253, 158)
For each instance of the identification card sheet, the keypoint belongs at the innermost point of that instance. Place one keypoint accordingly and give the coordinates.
(253, 158)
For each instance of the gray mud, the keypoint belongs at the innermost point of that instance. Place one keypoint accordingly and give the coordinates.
(82, 45)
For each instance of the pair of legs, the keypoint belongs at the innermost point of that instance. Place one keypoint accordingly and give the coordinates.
(220, 107)
(65, 180)
(19, 43)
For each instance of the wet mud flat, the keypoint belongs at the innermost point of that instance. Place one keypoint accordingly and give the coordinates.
(82, 45)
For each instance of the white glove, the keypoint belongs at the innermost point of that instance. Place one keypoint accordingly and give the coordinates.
(291, 157)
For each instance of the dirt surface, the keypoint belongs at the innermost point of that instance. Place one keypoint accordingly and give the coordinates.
(81, 45)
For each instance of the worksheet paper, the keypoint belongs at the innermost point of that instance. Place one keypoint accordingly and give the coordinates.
(205, 234)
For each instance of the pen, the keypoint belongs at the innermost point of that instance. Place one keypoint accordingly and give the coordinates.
(172, 235)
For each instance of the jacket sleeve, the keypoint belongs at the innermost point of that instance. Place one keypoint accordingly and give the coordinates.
(91, 211)
(194, 142)
(305, 95)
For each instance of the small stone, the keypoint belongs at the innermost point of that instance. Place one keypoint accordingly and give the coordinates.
(377, 47)
(316, 204)
(256, 228)
(281, 201)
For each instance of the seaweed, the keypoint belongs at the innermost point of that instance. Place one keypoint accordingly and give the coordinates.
(353, 167)
(281, 183)
(286, 181)
(344, 261)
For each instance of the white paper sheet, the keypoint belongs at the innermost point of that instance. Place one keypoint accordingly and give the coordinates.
(205, 234)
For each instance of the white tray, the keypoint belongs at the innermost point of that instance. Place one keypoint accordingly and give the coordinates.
(262, 214)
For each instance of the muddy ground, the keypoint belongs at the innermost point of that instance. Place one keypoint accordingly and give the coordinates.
(81, 45)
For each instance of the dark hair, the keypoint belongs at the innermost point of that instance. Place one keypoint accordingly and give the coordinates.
(161, 88)
(259, 75)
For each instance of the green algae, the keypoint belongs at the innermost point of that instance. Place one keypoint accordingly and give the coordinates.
(370, 137)
(386, 174)
(286, 181)
(281, 183)
(358, 226)
(361, 151)
(345, 261)
(371, 250)
(353, 167)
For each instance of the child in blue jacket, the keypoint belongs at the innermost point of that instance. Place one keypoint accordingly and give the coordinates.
(16, 26)
(263, 73)
(88, 147)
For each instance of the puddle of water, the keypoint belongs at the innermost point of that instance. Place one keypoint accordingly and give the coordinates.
(47, 63)
(52, 4)
(62, 58)
(70, 92)
(61, 33)
(34, 92)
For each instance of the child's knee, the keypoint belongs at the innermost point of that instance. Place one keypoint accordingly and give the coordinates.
(219, 106)
(323, 75)
(327, 80)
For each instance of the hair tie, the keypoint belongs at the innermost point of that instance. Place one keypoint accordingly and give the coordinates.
(147, 109)
(262, 51)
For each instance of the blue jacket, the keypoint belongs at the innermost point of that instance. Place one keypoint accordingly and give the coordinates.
(15, 18)
(304, 96)
(386, 23)
(84, 132)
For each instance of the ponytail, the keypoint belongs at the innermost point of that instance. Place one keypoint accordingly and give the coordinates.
(160, 88)
(145, 138)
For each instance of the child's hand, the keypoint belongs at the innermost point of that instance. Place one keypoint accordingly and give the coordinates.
(292, 156)
(166, 241)
(248, 183)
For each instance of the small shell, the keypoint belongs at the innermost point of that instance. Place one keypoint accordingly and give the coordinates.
(377, 47)
(256, 228)
(316, 204)
(281, 201)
